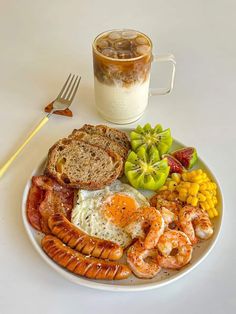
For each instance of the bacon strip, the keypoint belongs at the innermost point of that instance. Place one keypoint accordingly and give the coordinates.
(35, 197)
(46, 197)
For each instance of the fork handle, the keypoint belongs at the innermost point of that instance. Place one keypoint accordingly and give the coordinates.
(4, 168)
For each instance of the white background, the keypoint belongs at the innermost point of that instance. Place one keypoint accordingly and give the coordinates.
(40, 43)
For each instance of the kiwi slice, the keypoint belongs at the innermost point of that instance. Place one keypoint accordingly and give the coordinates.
(147, 137)
(145, 170)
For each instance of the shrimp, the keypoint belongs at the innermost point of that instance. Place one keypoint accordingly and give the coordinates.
(176, 249)
(168, 208)
(195, 223)
(170, 218)
(165, 198)
(142, 268)
(147, 219)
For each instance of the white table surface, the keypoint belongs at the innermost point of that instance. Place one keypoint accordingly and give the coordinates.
(41, 42)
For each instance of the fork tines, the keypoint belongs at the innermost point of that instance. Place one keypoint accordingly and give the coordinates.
(70, 88)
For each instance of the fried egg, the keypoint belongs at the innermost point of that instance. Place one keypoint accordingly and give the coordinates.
(105, 213)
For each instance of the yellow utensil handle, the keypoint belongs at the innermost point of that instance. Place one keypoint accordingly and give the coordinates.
(12, 158)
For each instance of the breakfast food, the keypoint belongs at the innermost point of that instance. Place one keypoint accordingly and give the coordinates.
(145, 170)
(80, 264)
(45, 198)
(195, 223)
(115, 135)
(91, 219)
(174, 164)
(148, 137)
(105, 213)
(194, 188)
(170, 240)
(77, 164)
(187, 156)
(100, 141)
(142, 261)
(75, 238)
(122, 74)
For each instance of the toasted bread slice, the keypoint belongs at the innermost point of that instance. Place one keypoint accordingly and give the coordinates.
(115, 135)
(101, 141)
(77, 164)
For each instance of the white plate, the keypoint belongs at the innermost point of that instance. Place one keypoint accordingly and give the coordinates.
(201, 250)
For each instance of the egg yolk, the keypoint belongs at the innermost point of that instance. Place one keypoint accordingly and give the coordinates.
(119, 209)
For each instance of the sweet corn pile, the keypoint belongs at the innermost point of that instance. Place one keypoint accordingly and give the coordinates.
(194, 188)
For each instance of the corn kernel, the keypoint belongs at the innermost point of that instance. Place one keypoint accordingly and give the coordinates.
(163, 188)
(176, 177)
(183, 191)
(189, 199)
(207, 207)
(210, 213)
(197, 179)
(202, 205)
(214, 185)
(203, 187)
(185, 176)
(201, 197)
(199, 171)
(215, 212)
(194, 189)
(186, 185)
(210, 203)
(214, 199)
(193, 173)
(209, 186)
(182, 197)
(172, 185)
(194, 201)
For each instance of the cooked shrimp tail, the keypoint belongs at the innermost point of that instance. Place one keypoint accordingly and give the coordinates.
(196, 223)
(175, 248)
(143, 262)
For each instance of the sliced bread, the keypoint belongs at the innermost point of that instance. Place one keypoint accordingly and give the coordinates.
(77, 164)
(101, 141)
(115, 135)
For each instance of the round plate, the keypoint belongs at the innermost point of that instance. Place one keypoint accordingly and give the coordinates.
(201, 250)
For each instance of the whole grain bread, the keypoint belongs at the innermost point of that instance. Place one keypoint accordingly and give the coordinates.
(77, 164)
(101, 141)
(115, 135)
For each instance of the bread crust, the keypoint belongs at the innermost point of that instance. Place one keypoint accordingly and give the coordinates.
(82, 265)
(92, 184)
(116, 135)
(76, 239)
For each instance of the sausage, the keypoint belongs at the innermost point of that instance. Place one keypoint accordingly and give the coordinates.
(75, 238)
(82, 265)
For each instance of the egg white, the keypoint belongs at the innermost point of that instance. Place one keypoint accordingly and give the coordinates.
(87, 215)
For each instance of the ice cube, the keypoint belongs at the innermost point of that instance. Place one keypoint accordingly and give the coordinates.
(143, 49)
(129, 34)
(109, 52)
(114, 36)
(140, 40)
(122, 44)
(125, 54)
(102, 43)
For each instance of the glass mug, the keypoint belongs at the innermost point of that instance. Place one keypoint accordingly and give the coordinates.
(122, 64)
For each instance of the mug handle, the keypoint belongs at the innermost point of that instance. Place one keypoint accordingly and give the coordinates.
(164, 91)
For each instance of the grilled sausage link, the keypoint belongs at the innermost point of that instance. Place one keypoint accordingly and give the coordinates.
(79, 264)
(75, 238)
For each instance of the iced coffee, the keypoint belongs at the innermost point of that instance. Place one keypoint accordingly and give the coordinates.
(122, 61)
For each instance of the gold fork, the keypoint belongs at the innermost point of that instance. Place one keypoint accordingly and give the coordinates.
(62, 102)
